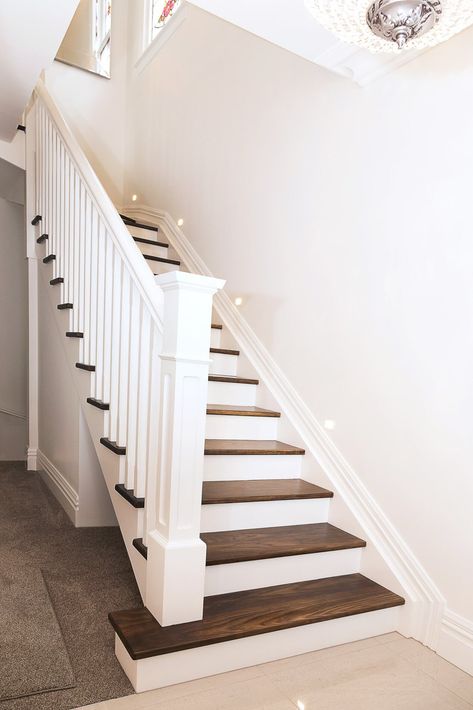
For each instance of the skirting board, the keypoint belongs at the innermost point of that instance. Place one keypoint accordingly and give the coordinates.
(59, 487)
(418, 586)
(456, 641)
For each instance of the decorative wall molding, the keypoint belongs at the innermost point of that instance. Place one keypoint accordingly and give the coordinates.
(456, 640)
(11, 413)
(427, 601)
(59, 486)
(32, 459)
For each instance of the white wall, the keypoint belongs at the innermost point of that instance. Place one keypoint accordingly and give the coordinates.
(13, 323)
(343, 217)
(95, 107)
(77, 46)
(67, 454)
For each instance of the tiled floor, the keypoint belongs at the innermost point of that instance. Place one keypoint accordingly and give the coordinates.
(384, 673)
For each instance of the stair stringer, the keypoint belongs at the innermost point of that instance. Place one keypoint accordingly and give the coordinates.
(130, 519)
(388, 559)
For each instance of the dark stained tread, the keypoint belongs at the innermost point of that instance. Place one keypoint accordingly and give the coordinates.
(64, 306)
(98, 403)
(217, 326)
(162, 260)
(113, 446)
(129, 496)
(42, 238)
(125, 218)
(224, 351)
(87, 368)
(233, 379)
(74, 334)
(139, 545)
(221, 492)
(257, 611)
(239, 411)
(36, 220)
(264, 447)
(56, 281)
(150, 227)
(20, 127)
(265, 543)
(153, 242)
(49, 258)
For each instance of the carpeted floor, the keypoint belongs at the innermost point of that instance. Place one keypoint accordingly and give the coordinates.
(57, 585)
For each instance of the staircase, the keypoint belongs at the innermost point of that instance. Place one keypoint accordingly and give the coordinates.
(232, 548)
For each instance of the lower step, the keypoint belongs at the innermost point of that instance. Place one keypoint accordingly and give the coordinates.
(252, 627)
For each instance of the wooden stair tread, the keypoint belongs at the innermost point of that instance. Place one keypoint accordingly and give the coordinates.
(224, 351)
(221, 492)
(129, 496)
(240, 411)
(162, 259)
(139, 545)
(241, 614)
(258, 447)
(56, 281)
(217, 326)
(233, 379)
(265, 543)
(153, 242)
(113, 446)
(130, 222)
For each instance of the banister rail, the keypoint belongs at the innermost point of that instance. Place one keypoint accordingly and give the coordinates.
(145, 340)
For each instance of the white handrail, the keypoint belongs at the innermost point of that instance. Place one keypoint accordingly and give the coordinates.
(130, 253)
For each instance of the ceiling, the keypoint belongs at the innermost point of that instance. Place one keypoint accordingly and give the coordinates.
(289, 24)
(30, 34)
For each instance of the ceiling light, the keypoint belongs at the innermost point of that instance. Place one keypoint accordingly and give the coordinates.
(238, 301)
(180, 222)
(134, 198)
(392, 25)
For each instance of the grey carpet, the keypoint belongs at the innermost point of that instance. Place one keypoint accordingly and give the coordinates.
(83, 574)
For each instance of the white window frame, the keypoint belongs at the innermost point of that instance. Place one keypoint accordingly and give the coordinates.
(151, 47)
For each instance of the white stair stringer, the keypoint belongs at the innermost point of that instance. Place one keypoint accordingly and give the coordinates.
(130, 519)
(171, 668)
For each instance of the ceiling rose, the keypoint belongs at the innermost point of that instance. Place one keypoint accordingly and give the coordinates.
(393, 25)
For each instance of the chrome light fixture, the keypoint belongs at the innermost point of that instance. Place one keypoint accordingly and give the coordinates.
(401, 20)
(393, 25)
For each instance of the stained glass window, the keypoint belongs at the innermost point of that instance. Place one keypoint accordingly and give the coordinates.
(162, 11)
(103, 24)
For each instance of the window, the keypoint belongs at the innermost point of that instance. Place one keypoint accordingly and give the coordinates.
(161, 12)
(102, 31)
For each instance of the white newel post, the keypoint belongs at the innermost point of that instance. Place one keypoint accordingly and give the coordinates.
(176, 554)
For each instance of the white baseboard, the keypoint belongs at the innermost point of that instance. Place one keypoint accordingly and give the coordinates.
(455, 642)
(59, 486)
(32, 459)
(427, 601)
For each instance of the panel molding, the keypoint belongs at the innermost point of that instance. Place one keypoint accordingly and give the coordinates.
(59, 486)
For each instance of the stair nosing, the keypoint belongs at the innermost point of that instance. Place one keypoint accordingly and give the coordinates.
(98, 404)
(224, 351)
(129, 496)
(151, 242)
(139, 545)
(112, 446)
(233, 380)
(56, 281)
(253, 451)
(162, 260)
(86, 368)
(258, 413)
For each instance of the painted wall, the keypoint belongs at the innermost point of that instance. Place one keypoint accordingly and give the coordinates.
(77, 46)
(342, 216)
(13, 319)
(96, 108)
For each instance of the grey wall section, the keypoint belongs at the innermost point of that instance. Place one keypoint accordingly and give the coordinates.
(13, 331)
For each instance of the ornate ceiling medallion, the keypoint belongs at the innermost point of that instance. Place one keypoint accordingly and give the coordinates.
(401, 20)
(391, 25)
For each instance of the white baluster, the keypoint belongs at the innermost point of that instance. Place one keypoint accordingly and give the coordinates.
(124, 360)
(175, 550)
(116, 267)
(135, 335)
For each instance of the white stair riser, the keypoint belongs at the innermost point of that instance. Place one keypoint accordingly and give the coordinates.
(231, 393)
(219, 426)
(256, 574)
(159, 267)
(153, 250)
(264, 514)
(172, 668)
(249, 468)
(215, 338)
(223, 364)
(144, 233)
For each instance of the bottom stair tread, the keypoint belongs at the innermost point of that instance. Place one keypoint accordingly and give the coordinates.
(241, 614)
